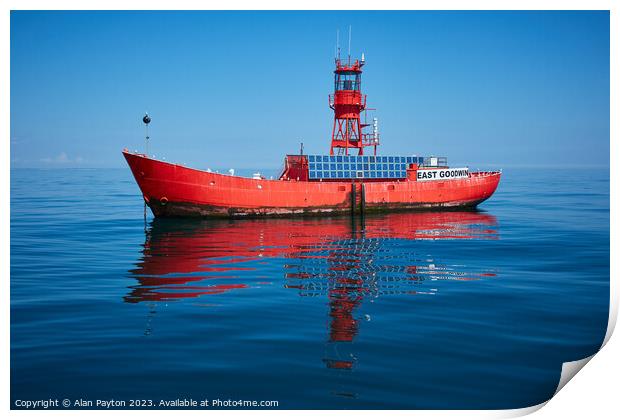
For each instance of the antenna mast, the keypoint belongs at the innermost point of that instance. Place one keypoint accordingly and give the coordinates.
(337, 44)
(146, 120)
(349, 44)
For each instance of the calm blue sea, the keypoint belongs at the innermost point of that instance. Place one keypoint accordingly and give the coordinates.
(459, 310)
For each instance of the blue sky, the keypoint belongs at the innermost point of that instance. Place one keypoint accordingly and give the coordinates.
(241, 89)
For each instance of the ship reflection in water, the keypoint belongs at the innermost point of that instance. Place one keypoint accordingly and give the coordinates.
(346, 261)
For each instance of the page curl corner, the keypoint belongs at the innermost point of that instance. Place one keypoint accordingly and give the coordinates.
(569, 370)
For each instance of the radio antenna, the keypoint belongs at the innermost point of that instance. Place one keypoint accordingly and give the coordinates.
(337, 43)
(349, 44)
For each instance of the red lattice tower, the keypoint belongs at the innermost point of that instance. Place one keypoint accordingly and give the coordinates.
(348, 102)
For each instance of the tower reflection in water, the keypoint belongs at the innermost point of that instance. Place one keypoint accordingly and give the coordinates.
(347, 260)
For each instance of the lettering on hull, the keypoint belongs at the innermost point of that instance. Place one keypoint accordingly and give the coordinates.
(442, 174)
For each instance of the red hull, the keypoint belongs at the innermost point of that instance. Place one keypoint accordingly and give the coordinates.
(175, 190)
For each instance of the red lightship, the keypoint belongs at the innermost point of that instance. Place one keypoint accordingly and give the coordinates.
(346, 180)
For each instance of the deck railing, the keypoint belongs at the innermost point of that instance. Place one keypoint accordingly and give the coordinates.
(361, 102)
(433, 161)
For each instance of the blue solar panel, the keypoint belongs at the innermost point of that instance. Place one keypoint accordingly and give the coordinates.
(350, 167)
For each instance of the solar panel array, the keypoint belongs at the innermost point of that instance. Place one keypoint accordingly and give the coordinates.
(348, 167)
